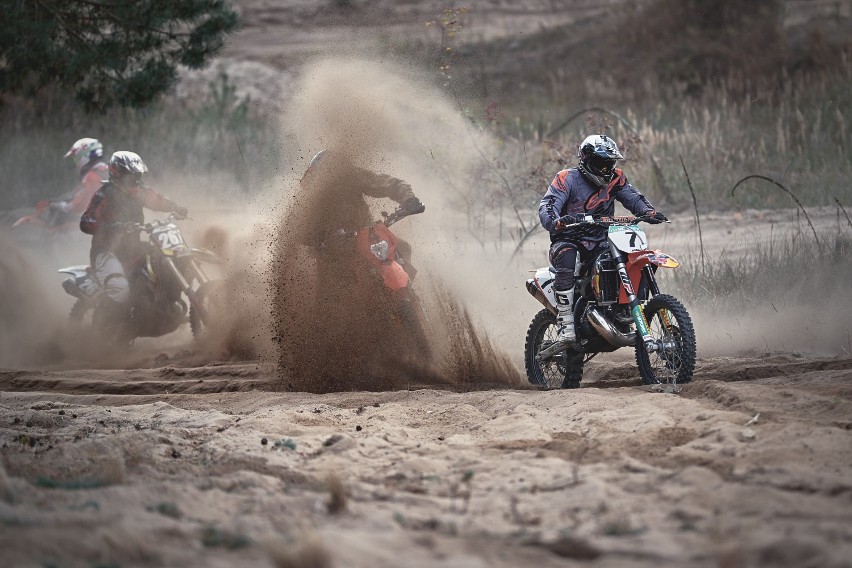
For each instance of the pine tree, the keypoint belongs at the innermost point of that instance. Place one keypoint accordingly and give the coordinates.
(108, 52)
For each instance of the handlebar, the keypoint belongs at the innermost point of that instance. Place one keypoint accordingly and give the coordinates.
(388, 219)
(607, 221)
(148, 227)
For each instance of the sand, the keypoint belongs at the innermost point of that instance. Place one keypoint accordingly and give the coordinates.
(747, 466)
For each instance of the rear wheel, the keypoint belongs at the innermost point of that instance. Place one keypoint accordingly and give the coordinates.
(90, 322)
(563, 370)
(670, 325)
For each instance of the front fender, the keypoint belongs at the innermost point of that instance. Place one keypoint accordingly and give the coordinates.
(638, 260)
(655, 257)
(393, 275)
(205, 255)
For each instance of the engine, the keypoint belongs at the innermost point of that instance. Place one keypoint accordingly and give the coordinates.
(605, 280)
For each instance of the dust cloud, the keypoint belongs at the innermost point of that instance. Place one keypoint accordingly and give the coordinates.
(336, 328)
(810, 327)
(34, 309)
(241, 323)
(25, 318)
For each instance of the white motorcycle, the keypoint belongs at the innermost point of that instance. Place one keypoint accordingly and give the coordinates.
(617, 303)
(169, 271)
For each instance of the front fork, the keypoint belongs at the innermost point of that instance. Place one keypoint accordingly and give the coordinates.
(187, 287)
(635, 308)
(655, 290)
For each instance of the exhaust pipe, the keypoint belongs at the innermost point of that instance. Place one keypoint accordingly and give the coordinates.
(608, 331)
(536, 293)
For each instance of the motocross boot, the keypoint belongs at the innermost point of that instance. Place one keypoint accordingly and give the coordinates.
(114, 322)
(565, 317)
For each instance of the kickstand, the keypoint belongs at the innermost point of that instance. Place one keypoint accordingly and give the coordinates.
(589, 358)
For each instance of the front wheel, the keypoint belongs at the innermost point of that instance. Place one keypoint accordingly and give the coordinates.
(563, 370)
(413, 320)
(212, 297)
(670, 325)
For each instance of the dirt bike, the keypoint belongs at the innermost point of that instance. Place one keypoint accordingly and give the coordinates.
(52, 216)
(617, 303)
(377, 255)
(169, 271)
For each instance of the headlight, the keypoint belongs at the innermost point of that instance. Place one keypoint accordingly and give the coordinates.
(380, 250)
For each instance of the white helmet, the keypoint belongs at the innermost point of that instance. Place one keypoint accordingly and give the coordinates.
(85, 150)
(598, 154)
(123, 164)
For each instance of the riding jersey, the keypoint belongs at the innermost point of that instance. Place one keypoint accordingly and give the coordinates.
(112, 205)
(339, 193)
(571, 192)
(92, 177)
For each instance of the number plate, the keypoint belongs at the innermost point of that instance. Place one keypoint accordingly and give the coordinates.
(169, 239)
(629, 238)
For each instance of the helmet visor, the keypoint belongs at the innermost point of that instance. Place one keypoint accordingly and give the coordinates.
(600, 165)
(130, 180)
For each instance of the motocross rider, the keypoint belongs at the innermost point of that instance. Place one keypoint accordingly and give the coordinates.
(574, 195)
(87, 154)
(109, 218)
(346, 209)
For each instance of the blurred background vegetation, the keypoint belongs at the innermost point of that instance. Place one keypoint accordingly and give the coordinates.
(734, 88)
(731, 88)
(213, 134)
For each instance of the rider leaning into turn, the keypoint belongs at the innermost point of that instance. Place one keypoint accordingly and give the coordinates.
(109, 218)
(591, 188)
(333, 171)
(341, 187)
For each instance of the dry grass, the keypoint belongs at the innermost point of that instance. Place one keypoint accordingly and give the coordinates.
(337, 494)
(6, 492)
(781, 272)
(799, 134)
(736, 90)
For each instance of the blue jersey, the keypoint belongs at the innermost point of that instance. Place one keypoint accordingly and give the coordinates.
(571, 192)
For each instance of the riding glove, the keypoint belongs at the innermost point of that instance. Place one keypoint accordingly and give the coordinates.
(414, 205)
(655, 217)
(572, 218)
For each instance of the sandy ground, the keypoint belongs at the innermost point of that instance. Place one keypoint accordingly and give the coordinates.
(747, 466)
(178, 460)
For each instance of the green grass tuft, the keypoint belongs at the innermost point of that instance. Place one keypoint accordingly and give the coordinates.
(213, 537)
